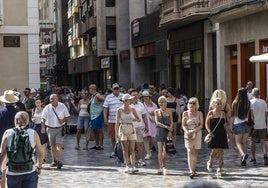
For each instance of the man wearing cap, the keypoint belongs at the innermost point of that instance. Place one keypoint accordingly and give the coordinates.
(7, 114)
(110, 105)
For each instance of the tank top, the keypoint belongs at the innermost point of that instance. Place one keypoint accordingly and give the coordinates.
(37, 116)
(83, 110)
(95, 108)
(172, 104)
(126, 118)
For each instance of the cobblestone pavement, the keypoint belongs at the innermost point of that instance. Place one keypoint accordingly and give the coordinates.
(94, 168)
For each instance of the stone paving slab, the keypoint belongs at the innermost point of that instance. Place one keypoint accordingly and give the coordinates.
(94, 168)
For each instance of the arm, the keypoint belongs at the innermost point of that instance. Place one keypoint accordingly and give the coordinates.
(105, 115)
(3, 150)
(43, 125)
(156, 115)
(136, 115)
(178, 110)
(117, 122)
(201, 122)
(100, 97)
(207, 123)
(39, 153)
(75, 107)
(145, 120)
(184, 119)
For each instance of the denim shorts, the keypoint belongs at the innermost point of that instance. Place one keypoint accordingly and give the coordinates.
(241, 128)
(83, 122)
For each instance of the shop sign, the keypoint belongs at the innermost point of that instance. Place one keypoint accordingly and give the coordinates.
(105, 63)
(43, 62)
(46, 37)
(136, 28)
(265, 49)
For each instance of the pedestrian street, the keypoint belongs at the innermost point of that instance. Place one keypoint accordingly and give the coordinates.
(95, 168)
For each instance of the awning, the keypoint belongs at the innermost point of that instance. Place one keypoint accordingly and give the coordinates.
(259, 58)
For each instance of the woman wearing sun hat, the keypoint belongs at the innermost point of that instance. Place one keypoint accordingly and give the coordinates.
(7, 115)
(149, 137)
(125, 116)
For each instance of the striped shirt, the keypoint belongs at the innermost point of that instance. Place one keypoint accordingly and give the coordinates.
(112, 102)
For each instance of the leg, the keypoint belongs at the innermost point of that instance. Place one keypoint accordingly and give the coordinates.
(160, 154)
(101, 137)
(174, 133)
(211, 158)
(3, 180)
(132, 152)
(126, 149)
(253, 147)
(147, 147)
(78, 136)
(239, 144)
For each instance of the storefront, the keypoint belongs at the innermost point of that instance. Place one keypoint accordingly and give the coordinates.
(187, 65)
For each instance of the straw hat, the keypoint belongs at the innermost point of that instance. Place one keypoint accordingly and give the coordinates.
(9, 97)
(145, 94)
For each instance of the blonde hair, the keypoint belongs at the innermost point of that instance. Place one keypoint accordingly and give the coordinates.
(162, 98)
(219, 93)
(193, 99)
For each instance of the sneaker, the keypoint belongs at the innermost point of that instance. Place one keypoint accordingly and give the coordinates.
(94, 147)
(148, 156)
(130, 171)
(141, 163)
(101, 148)
(59, 165)
(126, 169)
(77, 147)
(53, 164)
(253, 161)
(135, 169)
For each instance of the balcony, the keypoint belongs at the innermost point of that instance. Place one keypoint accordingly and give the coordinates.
(71, 11)
(224, 10)
(174, 14)
(74, 42)
(87, 24)
(83, 64)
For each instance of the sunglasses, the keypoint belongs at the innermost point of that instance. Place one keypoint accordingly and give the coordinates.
(116, 88)
(193, 103)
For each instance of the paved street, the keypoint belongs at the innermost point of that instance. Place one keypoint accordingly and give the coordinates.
(94, 168)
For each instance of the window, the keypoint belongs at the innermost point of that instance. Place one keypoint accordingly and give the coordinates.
(109, 3)
(111, 36)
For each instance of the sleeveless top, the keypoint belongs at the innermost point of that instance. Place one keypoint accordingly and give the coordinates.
(37, 116)
(172, 104)
(193, 122)
(126, 118)
(95, 108)
(83, 110)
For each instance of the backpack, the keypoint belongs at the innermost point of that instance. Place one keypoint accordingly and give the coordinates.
(20, 152)
(118, 152)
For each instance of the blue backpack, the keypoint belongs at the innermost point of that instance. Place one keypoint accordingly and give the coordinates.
(118, 151)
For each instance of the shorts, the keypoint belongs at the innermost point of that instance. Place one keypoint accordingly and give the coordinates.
(139, 134)
(259, 133)
(55, 136)
(241, 128)
(123, 137)
(111, 130)
(83, 122)
(97, 122)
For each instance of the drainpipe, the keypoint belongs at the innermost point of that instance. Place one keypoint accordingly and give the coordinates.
(218, 53)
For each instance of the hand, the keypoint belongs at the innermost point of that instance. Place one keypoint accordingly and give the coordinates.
(170, 128)
(43, 129)
(146, 129)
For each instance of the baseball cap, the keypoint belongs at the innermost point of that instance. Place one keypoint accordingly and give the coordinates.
(115, 85)
(126, 97)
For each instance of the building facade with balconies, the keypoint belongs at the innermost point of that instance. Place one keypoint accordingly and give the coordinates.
(19, 44)
(240, 28)
(185, 23)
(92, 43)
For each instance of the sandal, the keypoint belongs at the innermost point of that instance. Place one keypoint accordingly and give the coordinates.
(192, 175)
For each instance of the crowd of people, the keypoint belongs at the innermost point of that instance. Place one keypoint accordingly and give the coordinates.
(140, 119)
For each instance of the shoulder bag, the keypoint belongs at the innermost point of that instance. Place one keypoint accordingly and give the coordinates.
(169, 146)
(208, 137)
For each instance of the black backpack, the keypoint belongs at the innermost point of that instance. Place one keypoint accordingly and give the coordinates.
(20, 152)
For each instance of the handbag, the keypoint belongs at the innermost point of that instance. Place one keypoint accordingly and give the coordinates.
(208, 137)
(169, 146)
(127, 129)
(90, 134)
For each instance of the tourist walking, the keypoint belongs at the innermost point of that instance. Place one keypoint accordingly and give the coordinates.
(125, 132)
(164, 128)
(239, 125)
(192, 124)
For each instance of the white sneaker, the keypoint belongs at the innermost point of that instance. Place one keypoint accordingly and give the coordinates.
(164, 171)
(148, 156)
(135, 169)
(219, 172)
(126, 170)
(141, 163)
